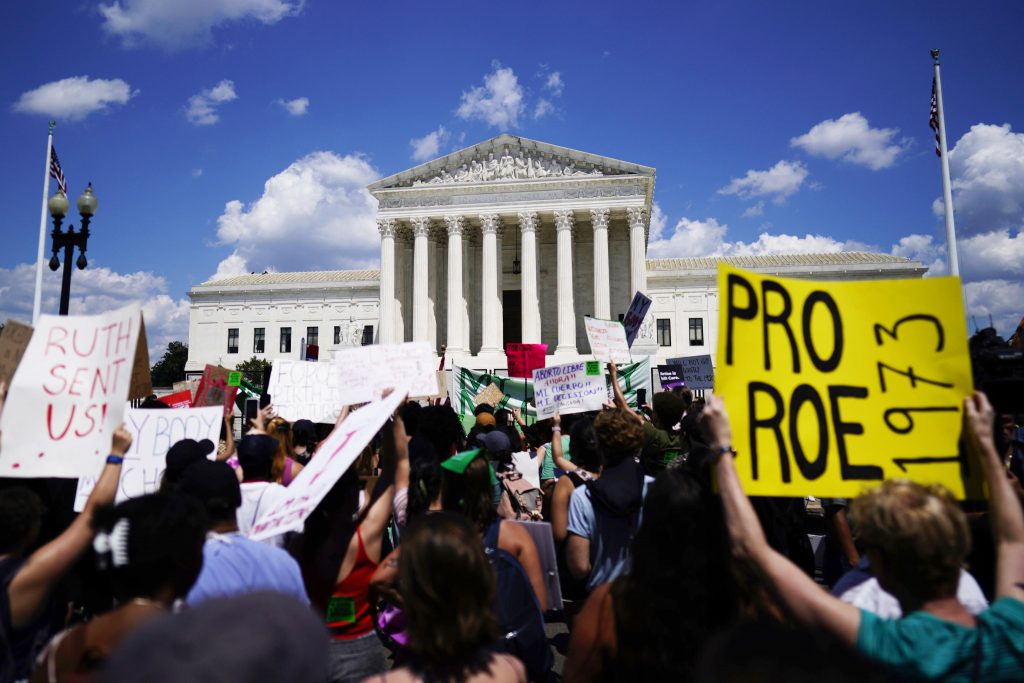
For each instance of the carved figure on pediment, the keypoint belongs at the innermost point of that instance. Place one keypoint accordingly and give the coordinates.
(491, 167)
(569, 169)
(462, 174)
(520, 167)
(476, 171)
(507, 166)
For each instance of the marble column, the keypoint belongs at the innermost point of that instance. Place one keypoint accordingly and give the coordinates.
(530, 303)
(434, 259)
(489, 282)
(566, 309)
(420, 278)
(501, 287)
(456, 303)
(637, 250)
(386, 323)
(602, 278)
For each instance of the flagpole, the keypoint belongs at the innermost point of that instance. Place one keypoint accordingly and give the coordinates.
(947, 193)
(37, 300)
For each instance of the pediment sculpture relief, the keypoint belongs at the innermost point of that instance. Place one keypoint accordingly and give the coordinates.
(507, 167)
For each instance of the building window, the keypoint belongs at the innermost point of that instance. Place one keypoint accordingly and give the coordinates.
(232, 340)
(286, 340)
(664, 332)
(367, 335)
(696, 331)
(312, 336)
(258, 338)
(337, 334)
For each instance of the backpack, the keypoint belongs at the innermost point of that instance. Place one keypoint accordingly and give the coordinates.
(519, 498)
(519, 615)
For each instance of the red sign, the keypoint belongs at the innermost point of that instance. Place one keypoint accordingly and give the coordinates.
(182, 399)
(214, 390)
(523, 359)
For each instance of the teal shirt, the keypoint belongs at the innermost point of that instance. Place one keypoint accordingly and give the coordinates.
(921, 647)
(547, 468)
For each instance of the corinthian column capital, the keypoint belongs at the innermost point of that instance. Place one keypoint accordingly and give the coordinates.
(564, 219)
(420, 226)
(386, 227)
(489, 223)
(637, 216)
(455, 224)
(528, 221)
(599, 218)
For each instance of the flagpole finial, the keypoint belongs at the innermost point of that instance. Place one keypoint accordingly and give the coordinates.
(53, 124)
(935, 55)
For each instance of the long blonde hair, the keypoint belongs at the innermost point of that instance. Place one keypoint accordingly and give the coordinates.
(280, 429)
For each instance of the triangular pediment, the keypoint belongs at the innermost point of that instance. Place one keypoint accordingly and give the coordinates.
(509, 159)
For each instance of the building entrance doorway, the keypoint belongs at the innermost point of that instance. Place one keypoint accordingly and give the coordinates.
(512, 316)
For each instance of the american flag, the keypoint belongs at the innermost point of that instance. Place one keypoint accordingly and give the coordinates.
(933, 120)
(56, 173)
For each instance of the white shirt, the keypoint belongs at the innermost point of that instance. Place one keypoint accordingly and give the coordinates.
(870, 597)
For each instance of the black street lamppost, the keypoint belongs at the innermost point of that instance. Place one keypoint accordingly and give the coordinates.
(58, 205)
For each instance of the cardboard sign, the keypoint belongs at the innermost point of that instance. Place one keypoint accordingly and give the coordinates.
(571, 388)
(635, 315)
(180, 399)
(670, 376)
(142, 382)
(214, 390)
(491, 395)
(68, 395)
(523, 359)
(308, 390)
(834, 386)
(366, 371)
(153, 433)
(13, 342)
(698, 372)
(607, 340)
(334, 456)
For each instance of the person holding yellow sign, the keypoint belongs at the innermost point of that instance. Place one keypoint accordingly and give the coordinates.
(916, 538)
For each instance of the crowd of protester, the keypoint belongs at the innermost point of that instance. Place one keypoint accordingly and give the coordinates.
(420, 564)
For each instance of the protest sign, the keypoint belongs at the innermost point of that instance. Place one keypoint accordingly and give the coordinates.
(214, 390)
(834, 386)
(13, 342)
(635, 315)
(234, 379)
(698, 372)
(570, 388)
(670, 376)
(523, 359)
(180, 399)
(302, 389)
(544, 540)
(491, 395)
(607, 340)
(153, 433)
(141, 385)
(334, 456)
(366, 371)
(68, 394)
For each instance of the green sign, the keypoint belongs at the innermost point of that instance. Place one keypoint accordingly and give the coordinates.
(235, 379)
(593, 367)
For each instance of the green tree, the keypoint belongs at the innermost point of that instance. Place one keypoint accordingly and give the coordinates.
(170, 368)
(252, 369)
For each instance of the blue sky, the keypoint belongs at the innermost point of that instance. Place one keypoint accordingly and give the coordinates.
(224, 136)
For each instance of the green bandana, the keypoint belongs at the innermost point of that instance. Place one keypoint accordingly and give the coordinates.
(460, 461)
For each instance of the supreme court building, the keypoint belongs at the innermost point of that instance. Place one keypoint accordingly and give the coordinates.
(509, 240)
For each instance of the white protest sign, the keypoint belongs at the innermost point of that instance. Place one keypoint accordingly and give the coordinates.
(308, 390)
(334, 456)
(366, 371)
(698, 373)
(635, 315)
(68, 394)
(153, 433)
(527, 463)
(570, 388)
(607, 340)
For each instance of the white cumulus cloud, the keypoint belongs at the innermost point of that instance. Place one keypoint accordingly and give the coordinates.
(554, 84)
(987, 170)
(297, 107)
(202, 108)
(999, 298)
(543, 108)
(851, 138)
(754, 210)
(98, 289)
(74, 98)
(779, 182)
(499, 102)
(315, 214)
(176, 24)
(429, 146)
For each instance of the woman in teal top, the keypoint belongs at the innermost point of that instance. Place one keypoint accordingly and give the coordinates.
(916, 538)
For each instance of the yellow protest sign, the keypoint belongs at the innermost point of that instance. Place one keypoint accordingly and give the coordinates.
(834, 386)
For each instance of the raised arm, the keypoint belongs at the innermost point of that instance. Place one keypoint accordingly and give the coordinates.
(394, 458)
(804, 599)
(557, 452)
(620, 398)
(229, 445)
(34, 581)
(1004, 506)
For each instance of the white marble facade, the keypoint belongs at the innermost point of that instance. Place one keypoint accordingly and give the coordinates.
(452, 231)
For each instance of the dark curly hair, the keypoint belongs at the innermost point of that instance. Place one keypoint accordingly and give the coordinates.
(21, 512)
(619, 435)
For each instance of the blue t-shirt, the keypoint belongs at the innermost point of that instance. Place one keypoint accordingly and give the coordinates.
(234, 565)
(609, 538)
(922, 647)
